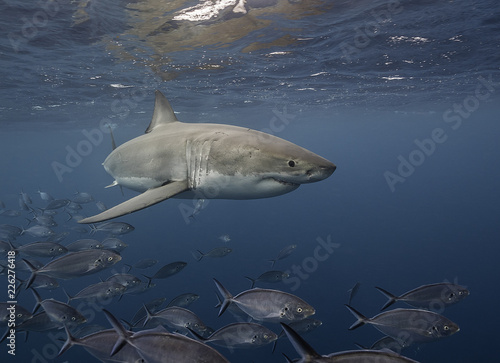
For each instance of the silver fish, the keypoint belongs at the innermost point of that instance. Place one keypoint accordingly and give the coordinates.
(126, 280)
(45, 196)
(144, 263)
(113, 228)
(42, 249)
(304, 326)
(101, 290)
(82, 198)
(39, 322)
(267, 305)
(270, 277)
(20, 313)
(309, 355)
(161, 347)
(25, 197)
(429, 296)
(101, 206)
(84, 244)
(60, 313)
(56, 204)
(45, 220)
(216, 252)
(179, 319)
(408, 326)
(11, 231)
(114, 244)
(10, 213)
(58, 237)
(100, 344)
(240, 335)
(75, 264)
(38, 231)
(168, 270)
(285, 252)
(183, 300)
(43, 282)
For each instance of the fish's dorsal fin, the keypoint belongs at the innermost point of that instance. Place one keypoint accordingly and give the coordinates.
(163, 113)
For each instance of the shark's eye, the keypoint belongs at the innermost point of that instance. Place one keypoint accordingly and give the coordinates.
(291, 163)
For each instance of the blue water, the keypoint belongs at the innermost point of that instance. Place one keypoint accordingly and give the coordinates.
(402, 97)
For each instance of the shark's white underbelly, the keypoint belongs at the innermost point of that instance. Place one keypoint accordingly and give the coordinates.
(214, 185)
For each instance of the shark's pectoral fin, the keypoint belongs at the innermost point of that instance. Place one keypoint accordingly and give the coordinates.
(144, 200)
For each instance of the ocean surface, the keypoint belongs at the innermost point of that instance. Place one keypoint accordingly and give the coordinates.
(403, 96)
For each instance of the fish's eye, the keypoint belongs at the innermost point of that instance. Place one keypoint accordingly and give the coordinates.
(446, 327)
(299, 310)
(110, 258)
(291, 163)
(73, 318)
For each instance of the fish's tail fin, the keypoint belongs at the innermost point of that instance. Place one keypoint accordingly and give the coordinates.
(226, 296)
(129, 267)
(33, 270)
(361, 318)
(252, 281)
(68, 296)
(149, 315)
(70, 341)
(198, 255)
(150, 279)
(120, 330)
(392, 298)
(307, 353)
(272, 262)
(93, 229)
(38, 299)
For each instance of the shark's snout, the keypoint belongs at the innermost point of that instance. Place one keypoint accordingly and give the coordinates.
(321, 172)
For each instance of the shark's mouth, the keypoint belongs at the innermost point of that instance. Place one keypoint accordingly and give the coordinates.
(282, 182)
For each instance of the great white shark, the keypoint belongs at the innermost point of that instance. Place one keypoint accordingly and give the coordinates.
(209, 161)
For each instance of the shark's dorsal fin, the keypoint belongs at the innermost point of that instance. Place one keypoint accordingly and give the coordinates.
(113, 143)
(163, 113)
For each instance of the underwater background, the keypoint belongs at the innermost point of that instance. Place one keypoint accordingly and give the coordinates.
(400, 95)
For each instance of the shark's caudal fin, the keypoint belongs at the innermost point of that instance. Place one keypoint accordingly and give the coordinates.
(144, 200)
(163, 113)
